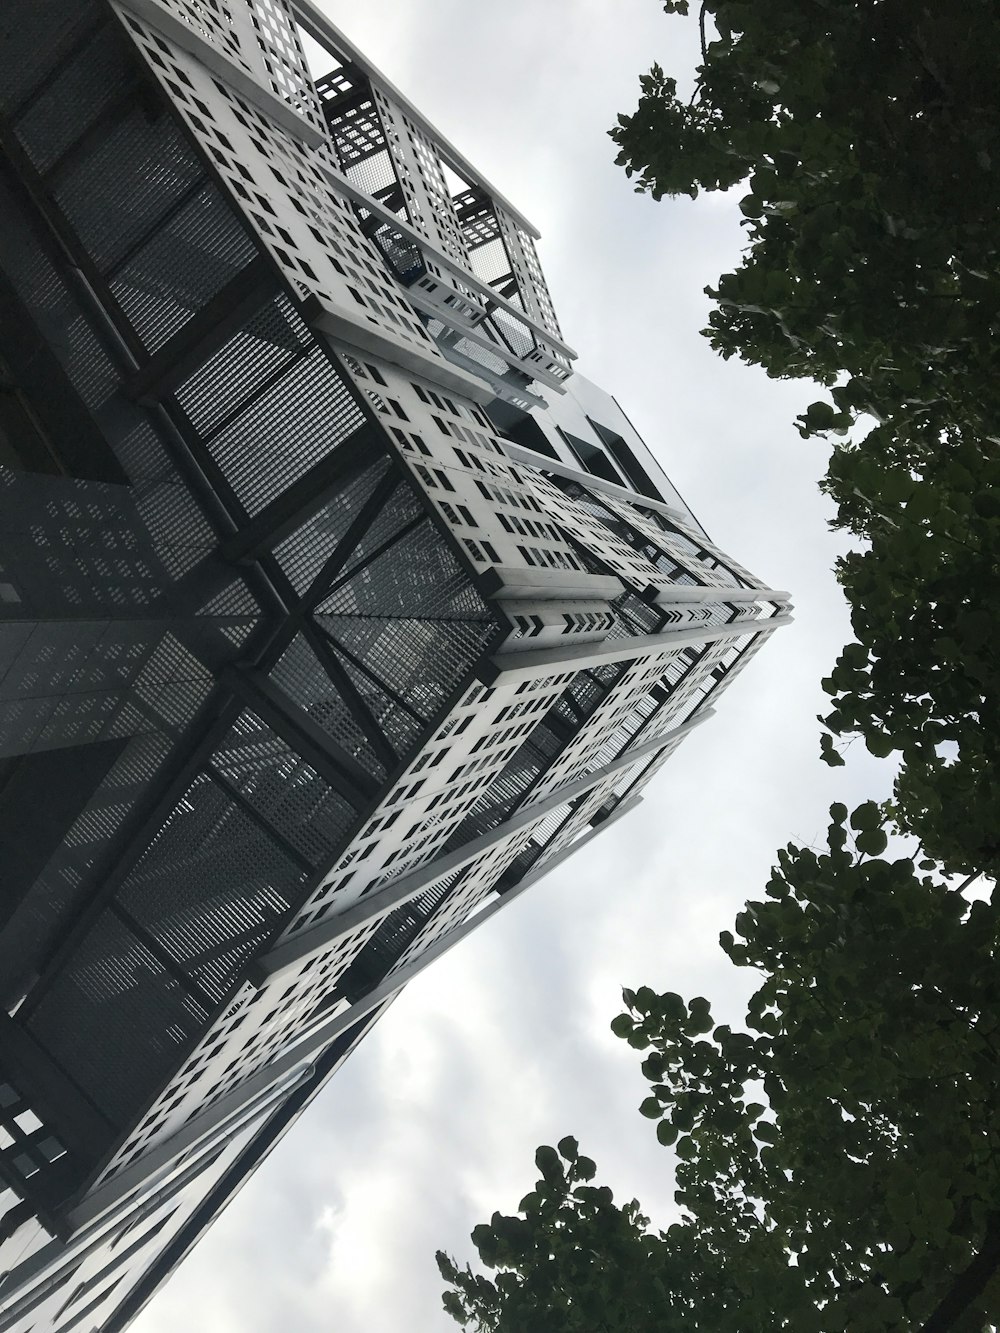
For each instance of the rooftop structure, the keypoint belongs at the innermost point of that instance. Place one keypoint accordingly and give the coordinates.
(335, 609)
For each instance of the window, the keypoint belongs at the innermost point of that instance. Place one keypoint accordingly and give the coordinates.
(593, 458)
(638, 478)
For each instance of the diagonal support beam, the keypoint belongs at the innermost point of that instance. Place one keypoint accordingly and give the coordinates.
(217, 320)
(348, 544)
(306, 496)
(294, 725)
(351, 695)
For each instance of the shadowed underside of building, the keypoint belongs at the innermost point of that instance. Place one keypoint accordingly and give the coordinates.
(334, 609)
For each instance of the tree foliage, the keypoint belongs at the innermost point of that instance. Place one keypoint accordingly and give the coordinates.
(838, 1159)
(571, 1262)
(923, 677)
(867, 136)
(866, 133)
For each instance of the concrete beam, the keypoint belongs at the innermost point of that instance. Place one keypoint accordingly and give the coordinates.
(515, 667)
(512, 583)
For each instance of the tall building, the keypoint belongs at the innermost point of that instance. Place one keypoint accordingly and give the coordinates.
(334, 609)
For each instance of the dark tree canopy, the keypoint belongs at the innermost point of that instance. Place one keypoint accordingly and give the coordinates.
(867, 134)
(838, 1159)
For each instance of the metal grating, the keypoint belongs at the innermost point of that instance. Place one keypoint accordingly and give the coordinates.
(145, 161)
(116, 1019)
(34, 32)
(283, 790)
(302, 678)
(417, 577)
(268, 343)
(304, 553)
(400, 724)
(423, 661)
(402, 508)
(68, 105)
(282, 432)
(190, 257)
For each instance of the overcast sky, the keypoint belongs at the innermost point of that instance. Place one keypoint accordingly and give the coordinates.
(504, 1044)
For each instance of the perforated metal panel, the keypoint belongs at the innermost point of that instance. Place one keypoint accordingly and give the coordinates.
(131, 1018)
(287, 794)
(303, 678)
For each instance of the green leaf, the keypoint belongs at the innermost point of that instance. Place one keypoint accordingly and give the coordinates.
(672, 1007)
(880, 746)
(872, 842)
(866, 816)
(622, 1025)
(828, 753)
(547, 1162)
(585, 1168)
(651, 1108)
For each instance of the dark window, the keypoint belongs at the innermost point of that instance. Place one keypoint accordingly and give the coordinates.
(638, 478)
(521, 427)
(593, 458)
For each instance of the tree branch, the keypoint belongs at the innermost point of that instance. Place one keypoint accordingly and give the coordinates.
(969, 1284)
(701, 32)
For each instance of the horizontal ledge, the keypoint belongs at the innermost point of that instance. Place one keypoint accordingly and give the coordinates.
(517, 667)
(712, 593)
(353, 335)
(543, 463)
(502, 388)
(516, 583)
(466, 277)
(470, 332)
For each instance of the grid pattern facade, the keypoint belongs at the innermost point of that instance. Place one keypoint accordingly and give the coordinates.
(306, 663)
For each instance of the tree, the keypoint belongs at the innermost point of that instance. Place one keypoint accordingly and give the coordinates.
(866, 133)
(571, 1263)
(923, 677)
(838, 1161)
